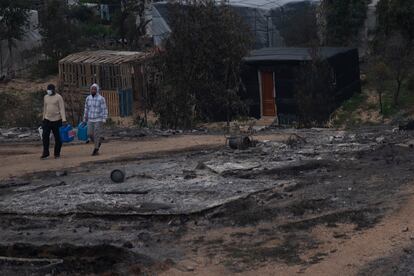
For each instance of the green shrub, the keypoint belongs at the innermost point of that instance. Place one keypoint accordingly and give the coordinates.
(43, 69)
(21, 110)
(110, 123)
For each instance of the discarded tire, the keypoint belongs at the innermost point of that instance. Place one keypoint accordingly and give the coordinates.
(118, 176)
(239, 142)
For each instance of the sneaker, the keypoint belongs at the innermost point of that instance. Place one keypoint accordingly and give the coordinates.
(95, 152)
(44, 156)
(57, 156)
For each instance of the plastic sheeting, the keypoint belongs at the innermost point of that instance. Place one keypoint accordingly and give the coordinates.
(159, 28)
(367, 33)
(266, 4)
(256, 14)
(21, 57)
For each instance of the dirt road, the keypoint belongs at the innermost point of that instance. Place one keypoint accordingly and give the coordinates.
(17, 160)
(22, 159)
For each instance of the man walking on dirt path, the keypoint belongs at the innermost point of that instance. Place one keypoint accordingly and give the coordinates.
(95, 114)
(53, 117)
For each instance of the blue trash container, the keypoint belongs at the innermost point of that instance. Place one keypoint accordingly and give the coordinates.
(82, 132)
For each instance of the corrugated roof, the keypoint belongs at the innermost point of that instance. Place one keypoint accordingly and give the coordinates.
(291, 54)
(105, 57)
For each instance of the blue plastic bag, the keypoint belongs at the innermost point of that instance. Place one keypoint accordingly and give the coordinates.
(82, 132)
(67, 134)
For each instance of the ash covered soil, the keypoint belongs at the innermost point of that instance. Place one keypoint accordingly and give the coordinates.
(318, 203)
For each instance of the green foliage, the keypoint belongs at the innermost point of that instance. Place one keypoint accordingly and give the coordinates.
(139, 121)
(344, 18)
(7, 100)
(346, 114)
(21, 110)
(201, 64)
(13, 20)
(388, 108)
(81, 13)
(43, 69)
(354, 102)
(14, 17)
(315, 91)
(396, 16)
(349, 115)
(395, 53)
(110, 123)
(378, 73)
(297, 24)
(67, 29)
(59, 35)
(97, 30)
(393, 44)
(125, 25)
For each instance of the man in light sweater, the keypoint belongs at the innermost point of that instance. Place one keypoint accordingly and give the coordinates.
(53, 117)
(95, 114)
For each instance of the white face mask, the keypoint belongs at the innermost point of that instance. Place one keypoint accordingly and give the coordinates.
(49, 92)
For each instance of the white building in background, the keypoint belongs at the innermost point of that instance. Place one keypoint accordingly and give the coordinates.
(23, 54)
(257, 14)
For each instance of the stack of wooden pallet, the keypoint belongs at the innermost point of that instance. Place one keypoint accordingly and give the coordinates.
(118, 73)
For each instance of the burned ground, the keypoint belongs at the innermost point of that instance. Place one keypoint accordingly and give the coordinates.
(287, 203)
(400, 263)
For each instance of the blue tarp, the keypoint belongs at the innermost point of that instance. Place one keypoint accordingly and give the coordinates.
(125, 102)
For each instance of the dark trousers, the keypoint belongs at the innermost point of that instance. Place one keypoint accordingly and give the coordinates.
(47, 127)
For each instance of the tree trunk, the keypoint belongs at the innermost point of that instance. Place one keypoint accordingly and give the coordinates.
(397, 93)
(1, 61)
(227, 95)
(228, 107)
(10, 67)
(380, 102)
(145, 92)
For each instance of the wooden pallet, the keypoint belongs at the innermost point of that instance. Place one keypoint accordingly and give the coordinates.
(112, 101)
(113, 70)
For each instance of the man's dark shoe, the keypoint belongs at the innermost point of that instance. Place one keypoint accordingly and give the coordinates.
(57, 156)
(95, 152)
(44, 156)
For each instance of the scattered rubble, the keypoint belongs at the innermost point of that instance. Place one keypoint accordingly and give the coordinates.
(167, 207)
(25, 135)
(240, 142)
(61, 173)
(407, 126)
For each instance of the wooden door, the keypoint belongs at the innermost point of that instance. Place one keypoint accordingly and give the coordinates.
(268, 97)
